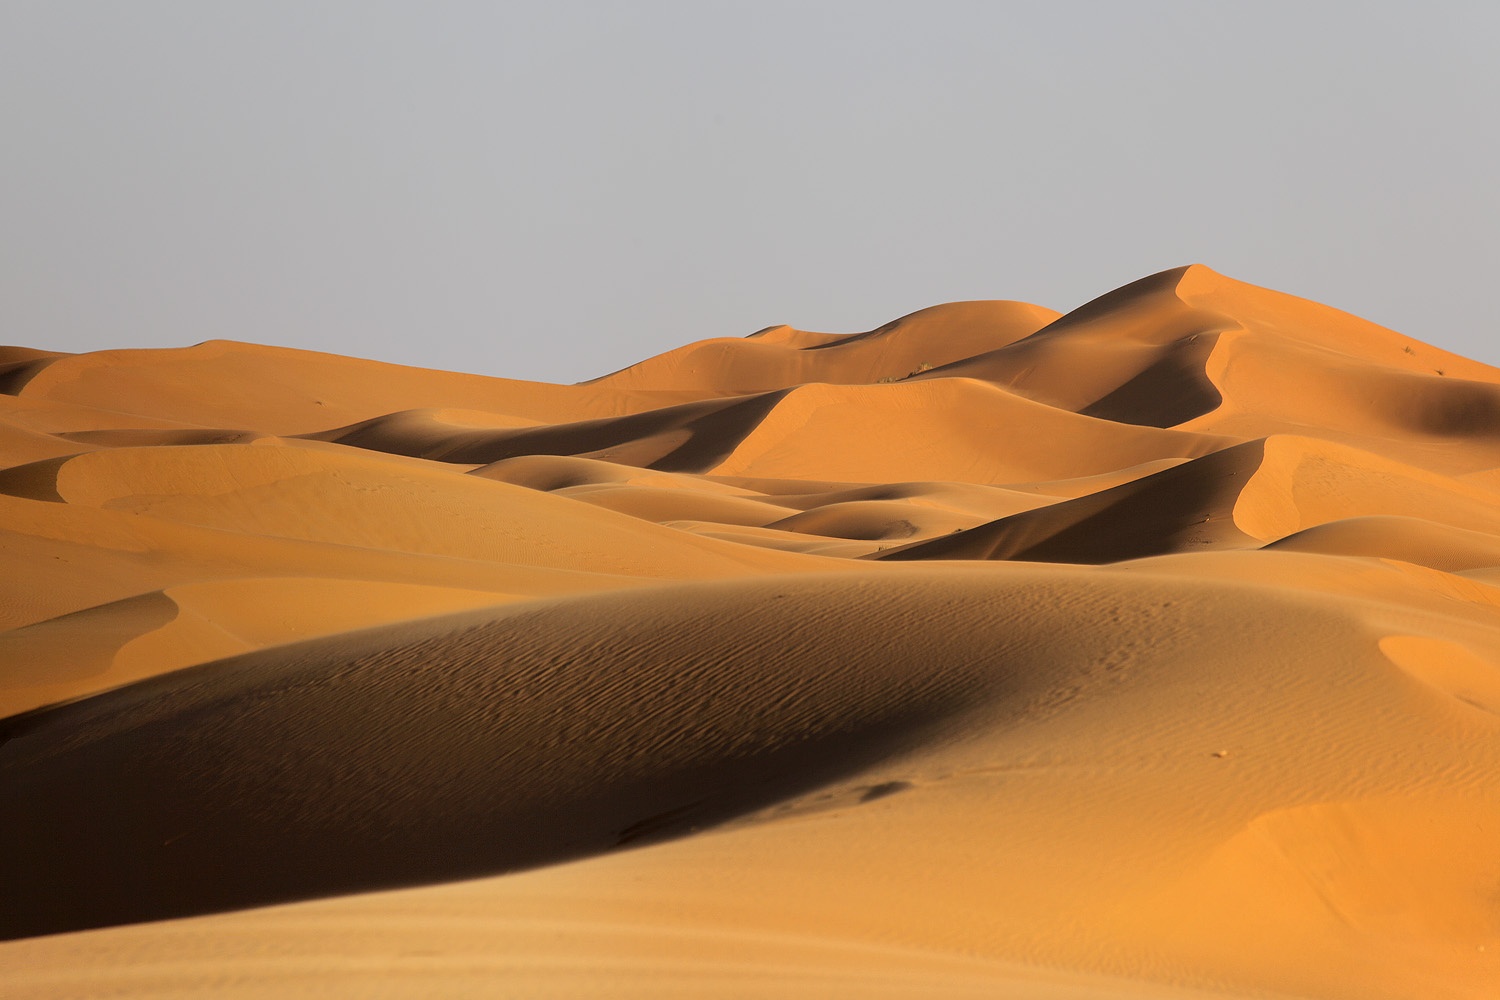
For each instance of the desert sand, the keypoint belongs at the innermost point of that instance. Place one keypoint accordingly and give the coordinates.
(1148, 651)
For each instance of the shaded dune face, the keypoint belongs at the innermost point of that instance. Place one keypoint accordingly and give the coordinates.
(690, 437)
(1155, 645)
(488, 741)
(19, 365)
(1179, 509)
(1137, 355)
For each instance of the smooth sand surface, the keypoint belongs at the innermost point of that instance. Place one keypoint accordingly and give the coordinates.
(1146, 652)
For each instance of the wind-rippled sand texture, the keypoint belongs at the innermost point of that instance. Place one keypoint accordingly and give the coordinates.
(1146, 651)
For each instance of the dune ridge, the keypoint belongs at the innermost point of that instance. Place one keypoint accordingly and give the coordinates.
(1150, 650)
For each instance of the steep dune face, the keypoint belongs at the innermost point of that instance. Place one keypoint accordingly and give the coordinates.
(1150, 650)
(1279, 385)
(687, 437)
(1304, 482)
(1175, 510)
(1134, 356)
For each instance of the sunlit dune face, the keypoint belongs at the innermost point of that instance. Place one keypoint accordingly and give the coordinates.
(1146, 651)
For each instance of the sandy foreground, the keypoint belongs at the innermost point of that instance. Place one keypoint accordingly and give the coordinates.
(1147, 651)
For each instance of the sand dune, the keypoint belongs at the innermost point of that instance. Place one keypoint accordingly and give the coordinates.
(781, 356)
(940, 429)
(1135, 355)
(1146, 651)
(282, 391)
(19, 365)
(103, 647)
(1305, 482)
(1410, 539)
(1179, 508)
(687, 437)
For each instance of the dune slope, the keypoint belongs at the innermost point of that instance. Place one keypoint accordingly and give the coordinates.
(1146, 651)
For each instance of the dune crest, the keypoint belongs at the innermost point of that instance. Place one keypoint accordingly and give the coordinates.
(1150, 651)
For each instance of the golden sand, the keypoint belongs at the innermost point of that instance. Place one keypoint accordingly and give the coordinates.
(1147, 651)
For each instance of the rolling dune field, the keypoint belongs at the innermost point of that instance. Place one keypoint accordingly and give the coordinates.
(1149, 651)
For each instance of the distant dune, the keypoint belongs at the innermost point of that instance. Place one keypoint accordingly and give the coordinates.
(1146, 651)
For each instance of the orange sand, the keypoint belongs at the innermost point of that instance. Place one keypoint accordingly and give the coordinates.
(1148, 651)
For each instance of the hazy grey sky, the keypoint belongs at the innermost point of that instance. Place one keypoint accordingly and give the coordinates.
(556, 190)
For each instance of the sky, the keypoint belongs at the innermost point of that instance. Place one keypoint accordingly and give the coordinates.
(557, 190)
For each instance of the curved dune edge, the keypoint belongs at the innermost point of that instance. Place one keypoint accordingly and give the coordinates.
(101, 648)
(781, 356)
(1449, 667)
(1148, 650)
(1409, 539)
